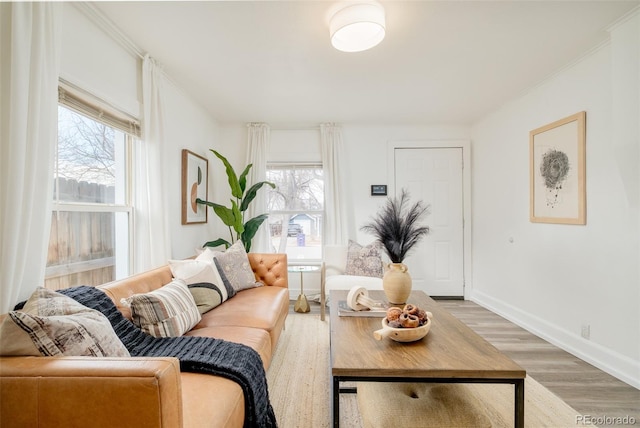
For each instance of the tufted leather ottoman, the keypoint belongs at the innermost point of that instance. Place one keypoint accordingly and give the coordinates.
(419, 405)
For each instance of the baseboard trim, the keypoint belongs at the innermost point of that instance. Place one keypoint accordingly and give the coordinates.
(617, 365)
(447, 297)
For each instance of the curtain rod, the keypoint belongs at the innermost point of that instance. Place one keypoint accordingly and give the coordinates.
(284, 127)
(295, 128)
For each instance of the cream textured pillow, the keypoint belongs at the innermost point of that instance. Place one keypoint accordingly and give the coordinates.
(169, 311)
(364, 261)
(234, 265)
(52, 324)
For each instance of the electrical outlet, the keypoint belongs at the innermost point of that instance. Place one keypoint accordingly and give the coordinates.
(586, 331)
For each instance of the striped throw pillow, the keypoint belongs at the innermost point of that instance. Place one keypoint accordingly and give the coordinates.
(169, 311)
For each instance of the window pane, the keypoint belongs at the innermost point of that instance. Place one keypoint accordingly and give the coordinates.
(301, 238)
(90, 226)
(82, 248)
(90, 164)
(297, 188)
(295, 210)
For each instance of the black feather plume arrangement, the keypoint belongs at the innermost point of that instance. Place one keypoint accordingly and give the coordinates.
(397, 225)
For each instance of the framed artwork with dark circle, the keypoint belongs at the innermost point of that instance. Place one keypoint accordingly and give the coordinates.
(194, 186)
(557, 169)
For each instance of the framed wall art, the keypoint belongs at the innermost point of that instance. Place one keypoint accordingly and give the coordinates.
(557, 169)
(194, 186)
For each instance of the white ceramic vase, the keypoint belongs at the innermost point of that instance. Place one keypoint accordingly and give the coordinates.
(396, 283)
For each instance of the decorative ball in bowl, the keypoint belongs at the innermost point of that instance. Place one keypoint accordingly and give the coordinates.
(408, 324)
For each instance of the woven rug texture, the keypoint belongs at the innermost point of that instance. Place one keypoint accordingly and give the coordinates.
(299, 386)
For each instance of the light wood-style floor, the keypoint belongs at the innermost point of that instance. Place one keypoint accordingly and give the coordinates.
(584, 387)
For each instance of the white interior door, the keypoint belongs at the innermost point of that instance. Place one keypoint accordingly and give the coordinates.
(434, 175)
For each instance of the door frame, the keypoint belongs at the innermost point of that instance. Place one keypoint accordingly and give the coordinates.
(465, 145)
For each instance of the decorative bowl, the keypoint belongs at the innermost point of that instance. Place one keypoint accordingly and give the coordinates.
(403, 334)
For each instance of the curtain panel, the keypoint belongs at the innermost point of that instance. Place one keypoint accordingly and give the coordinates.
(257, 150)
(29, 71)
(151, 225)
(336, 223)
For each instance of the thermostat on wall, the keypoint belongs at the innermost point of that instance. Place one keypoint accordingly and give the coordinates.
(378, 190)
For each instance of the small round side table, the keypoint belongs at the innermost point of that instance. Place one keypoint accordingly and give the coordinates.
(302, 305)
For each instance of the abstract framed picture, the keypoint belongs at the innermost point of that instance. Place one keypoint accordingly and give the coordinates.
(194, 186)
(557, 169)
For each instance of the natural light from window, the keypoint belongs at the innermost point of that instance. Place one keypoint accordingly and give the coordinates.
(296, 210)
(89, 241)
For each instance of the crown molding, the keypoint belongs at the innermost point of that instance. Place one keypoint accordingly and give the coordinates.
(96, 16)
(624, 18)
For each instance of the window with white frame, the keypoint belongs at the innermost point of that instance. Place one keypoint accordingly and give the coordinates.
(296, 209)
(91, 224)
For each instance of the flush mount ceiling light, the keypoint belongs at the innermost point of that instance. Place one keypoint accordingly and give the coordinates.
(357, 27)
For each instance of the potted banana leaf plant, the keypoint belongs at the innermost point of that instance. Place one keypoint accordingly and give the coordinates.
(234, 216)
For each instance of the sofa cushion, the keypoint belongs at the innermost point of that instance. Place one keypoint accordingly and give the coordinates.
(169, 311)
(364, 261)
(51, 324)
(264, 308)
(211, 401)
(255, 338)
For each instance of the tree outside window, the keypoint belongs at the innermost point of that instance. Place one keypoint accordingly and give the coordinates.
(296, 210)
(89, 240)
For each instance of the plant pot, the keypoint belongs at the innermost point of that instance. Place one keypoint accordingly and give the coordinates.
(396, 283)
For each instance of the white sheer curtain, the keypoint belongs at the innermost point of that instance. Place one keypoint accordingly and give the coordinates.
(335, 224)
(257, 150)
(30, 51)
(152, 240)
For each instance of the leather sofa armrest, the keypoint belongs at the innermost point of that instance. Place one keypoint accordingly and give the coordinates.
(87, 391)
(270, 268)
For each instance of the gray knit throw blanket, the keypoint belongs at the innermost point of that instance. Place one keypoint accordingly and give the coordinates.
(231, 360)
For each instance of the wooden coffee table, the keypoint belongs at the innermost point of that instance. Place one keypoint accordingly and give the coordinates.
(450, 353)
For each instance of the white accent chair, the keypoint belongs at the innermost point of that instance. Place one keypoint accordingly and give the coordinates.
(334, 277)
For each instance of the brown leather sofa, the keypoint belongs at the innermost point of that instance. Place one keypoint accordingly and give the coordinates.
(148, 392)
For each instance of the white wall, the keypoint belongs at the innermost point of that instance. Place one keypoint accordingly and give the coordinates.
(114, 76)
(232, 144)
(555, 279)
(366, 153)
(187, 127)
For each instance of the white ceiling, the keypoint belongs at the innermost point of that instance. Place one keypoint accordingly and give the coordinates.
(442, 62)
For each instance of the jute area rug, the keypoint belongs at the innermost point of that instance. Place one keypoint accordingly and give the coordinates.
(299, 386)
